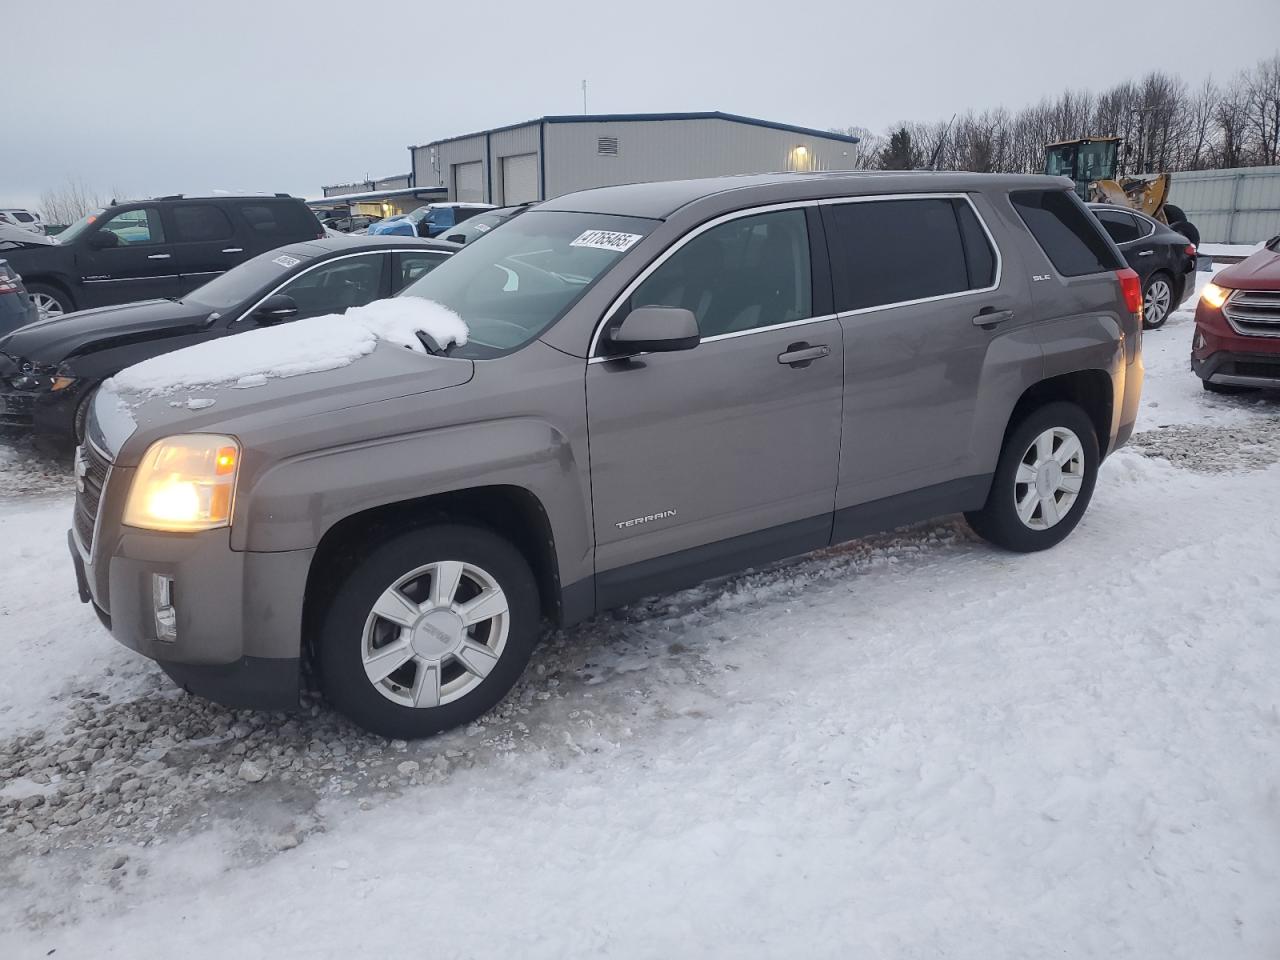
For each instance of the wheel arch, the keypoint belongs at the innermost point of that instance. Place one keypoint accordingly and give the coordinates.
(1090, 389)
(512, 512)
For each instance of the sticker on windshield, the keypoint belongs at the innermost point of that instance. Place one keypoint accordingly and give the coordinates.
(607, 240)
(482, 227)
(286, 261)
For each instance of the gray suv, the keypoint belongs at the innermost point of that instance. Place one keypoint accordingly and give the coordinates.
(663, 383)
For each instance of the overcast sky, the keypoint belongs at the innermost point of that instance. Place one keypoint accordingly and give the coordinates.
(160, 96)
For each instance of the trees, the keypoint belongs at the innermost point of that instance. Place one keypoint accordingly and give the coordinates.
(1165, 127)
(71, 200)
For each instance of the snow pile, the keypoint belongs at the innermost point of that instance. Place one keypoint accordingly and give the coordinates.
(306, 346)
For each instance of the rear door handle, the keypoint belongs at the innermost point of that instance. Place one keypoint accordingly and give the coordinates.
(158, 256)
(234, 250)
(988, 317)
(802, 354)
(1145, 253)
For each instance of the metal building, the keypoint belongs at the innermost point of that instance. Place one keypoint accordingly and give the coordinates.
(396, 182)
(550, 156)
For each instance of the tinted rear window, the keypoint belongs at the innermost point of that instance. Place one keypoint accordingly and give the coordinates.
(281, 219)
(201, 221)
(1065, 231)
(893, 251)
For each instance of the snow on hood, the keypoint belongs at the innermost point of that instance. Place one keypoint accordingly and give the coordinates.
(305, 346)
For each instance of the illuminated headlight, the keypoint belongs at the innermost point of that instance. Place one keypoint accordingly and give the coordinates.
(184, 483)
(1214, 295)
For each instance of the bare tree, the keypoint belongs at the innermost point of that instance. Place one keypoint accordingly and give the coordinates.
(70, 201)
(1262, 111)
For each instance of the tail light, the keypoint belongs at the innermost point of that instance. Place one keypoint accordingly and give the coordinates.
(1190, 250)
(1131, 288)
(8, 284)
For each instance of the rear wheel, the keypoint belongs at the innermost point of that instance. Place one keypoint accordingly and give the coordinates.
(429, 631)
(1043, 480)
(1174, 214)
(1157, 300)
(49, 300)
(1186, 229)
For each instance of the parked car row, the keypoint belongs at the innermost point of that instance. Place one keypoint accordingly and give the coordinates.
(428, 221)
(353, 224)
(49, 370)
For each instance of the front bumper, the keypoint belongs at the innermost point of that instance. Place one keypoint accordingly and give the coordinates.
(1221, 355)
(48, 415)
(237, 616)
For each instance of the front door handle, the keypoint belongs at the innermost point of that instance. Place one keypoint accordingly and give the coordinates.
(234, 250)
(1145, 253)
(158, 256)
(802, 354)
(989, 317)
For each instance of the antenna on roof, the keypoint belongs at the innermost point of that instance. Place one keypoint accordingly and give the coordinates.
(584, 98)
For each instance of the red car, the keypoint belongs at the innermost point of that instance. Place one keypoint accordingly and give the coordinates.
(1236, 346)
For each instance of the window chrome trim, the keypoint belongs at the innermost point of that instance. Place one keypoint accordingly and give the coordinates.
(346, 256)
(732, 335)
(800, 204)
(158, 276)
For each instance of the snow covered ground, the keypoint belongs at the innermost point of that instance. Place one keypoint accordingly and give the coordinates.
(910, 746)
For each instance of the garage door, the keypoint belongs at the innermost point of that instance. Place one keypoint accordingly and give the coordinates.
(520, 178)
(468, 182)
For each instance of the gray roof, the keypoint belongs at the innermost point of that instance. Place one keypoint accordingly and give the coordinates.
(660, 199)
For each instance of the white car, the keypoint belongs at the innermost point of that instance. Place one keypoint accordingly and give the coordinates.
(24, 219)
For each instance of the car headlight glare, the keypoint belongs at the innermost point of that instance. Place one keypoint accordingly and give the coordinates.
(184, 483)
(1214, 295)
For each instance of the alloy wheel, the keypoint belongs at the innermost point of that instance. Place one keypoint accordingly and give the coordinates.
(1049, 478)
(47, 305)
(435, 634)
(1155, 306)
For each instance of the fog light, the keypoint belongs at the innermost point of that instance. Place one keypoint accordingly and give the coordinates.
(162, 603)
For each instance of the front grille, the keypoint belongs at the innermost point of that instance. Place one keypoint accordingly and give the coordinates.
(91, 479)
(1254, 313)
(1249, 368)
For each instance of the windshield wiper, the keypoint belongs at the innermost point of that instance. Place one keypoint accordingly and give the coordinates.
(431, 344)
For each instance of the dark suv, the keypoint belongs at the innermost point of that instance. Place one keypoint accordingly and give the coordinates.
(156, 248)
(619, 393)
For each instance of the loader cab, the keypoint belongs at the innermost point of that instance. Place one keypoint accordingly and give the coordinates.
(1085, 161)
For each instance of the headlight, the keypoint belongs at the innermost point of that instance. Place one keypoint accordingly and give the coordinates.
(184, 483)
(1214, 295)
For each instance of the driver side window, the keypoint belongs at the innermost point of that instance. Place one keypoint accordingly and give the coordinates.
(338, 286)
(134, 227)
(744, 274)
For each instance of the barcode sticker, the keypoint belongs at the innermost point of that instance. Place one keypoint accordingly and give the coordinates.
(607, 240)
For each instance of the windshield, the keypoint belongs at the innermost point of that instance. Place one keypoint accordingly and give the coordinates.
(228, 291)
(80, 226)
(523, 278)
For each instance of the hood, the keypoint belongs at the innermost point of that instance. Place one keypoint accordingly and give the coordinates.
(1261, 271)
(300, 406)
(60, 338)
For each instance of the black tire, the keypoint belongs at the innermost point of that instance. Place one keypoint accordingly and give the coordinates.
(1226, 389)
(82, 414)
(1187, 230)
(1171, 305)
(341, 629)
(56, 294)
(998, 521)
(1174, 214)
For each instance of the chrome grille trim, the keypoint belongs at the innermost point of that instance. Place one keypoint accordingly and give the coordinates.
(87, 516)
(1254, 313)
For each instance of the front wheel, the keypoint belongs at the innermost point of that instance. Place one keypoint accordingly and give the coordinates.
(429, 631)
(1043, 480)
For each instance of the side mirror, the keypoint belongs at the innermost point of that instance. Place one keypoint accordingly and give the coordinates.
(103, 240)
(275, 309)
(656, 330)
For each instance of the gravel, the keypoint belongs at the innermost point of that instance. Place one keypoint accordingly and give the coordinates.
(1254, 445)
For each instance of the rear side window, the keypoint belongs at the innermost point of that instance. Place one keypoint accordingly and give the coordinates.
(1120, 226)
(201, 221)
(283, 219)
(895, 251)
(1065, 231)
